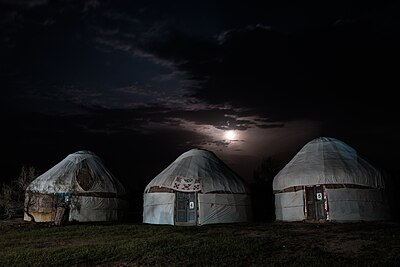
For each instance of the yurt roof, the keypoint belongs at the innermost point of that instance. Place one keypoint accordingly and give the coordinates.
(201, 168)
(63, 176)
(326, 160)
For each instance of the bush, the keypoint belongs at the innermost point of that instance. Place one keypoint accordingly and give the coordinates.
(12, 195)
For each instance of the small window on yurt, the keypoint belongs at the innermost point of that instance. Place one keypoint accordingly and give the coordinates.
(84, 178)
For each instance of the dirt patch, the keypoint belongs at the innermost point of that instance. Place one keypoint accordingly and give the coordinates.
(347, 247)
(16, 223)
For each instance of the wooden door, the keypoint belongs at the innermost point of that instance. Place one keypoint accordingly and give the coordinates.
(315, 203)
(62, 208)
(186, 208)
(310, 203)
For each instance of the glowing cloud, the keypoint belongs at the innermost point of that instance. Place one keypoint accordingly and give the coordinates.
(230, 135)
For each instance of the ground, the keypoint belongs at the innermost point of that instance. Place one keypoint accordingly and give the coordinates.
(247, 244)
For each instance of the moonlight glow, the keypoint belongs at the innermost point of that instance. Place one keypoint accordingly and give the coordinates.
(230, 135)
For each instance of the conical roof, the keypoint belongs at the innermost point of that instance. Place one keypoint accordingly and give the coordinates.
(199, 170)
(64, 176)
(326, 160)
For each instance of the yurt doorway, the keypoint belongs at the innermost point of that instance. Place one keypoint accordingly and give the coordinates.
(186, 208)
(315, 203)
(62, 204)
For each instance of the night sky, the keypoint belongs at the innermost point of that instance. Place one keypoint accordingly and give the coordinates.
(139, 83)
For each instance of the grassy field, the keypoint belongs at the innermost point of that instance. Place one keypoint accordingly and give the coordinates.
(263, 244)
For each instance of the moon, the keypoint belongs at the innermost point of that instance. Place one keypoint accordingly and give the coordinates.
(230, 135)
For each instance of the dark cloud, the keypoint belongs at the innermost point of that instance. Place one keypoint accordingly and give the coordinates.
(140, 117)
(139, 82)
(24, 3)
(318, 74)
(270, 125)
(220, 143)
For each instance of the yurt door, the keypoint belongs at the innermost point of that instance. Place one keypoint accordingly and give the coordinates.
(186, 208)
(315, 203)
(62, 203)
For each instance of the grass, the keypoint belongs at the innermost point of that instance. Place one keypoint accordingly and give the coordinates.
(262, 244)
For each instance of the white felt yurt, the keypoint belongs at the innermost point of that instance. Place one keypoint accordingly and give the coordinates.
(82, 184)
(327, 180)
(196, 189)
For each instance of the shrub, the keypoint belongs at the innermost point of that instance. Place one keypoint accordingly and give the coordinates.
(12, 196)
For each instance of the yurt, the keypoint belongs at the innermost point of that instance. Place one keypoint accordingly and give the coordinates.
(81, 186)
(196, 189)
(327, 180)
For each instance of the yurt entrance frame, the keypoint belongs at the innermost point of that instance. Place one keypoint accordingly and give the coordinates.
(185, 208)
(315, 203)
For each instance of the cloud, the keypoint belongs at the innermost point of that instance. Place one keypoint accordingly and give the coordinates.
(90, 5)
(220, 73)
(167, 116)
(121, 32)
(316, 75)
(156, 85)
(270, 125)
(25, 3)
(208, 126)
(115, 44)
(231, 33)
(137, 90)
(217, 71)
